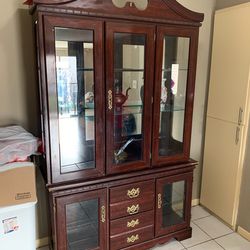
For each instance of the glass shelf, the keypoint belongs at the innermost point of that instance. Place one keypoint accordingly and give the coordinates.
(128, 70)
(169, 108)
(130, 109)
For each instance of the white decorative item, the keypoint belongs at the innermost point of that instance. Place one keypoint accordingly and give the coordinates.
(139, 4)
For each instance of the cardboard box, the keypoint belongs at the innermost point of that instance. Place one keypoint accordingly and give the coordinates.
(17, 184)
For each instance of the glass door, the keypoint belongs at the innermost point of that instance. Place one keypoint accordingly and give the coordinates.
(82, 221)
(174, 92)
(75, 97)
(129, 57)
(173, 203)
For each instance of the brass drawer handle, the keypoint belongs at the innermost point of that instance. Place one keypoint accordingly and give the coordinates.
(133, 193)
(159, 200)
(133, 223)
(133, 209)
(103, 214)
(133, 238)
(110, 99)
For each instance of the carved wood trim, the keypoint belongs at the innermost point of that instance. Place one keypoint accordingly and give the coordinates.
(183, 11)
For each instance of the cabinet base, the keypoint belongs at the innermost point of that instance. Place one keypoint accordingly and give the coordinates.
(180, 235)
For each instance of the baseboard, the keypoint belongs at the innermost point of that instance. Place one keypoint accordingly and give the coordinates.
(195, 202)
(244, 233)
(42, 242)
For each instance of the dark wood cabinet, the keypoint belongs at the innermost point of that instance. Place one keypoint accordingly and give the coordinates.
(116, 88)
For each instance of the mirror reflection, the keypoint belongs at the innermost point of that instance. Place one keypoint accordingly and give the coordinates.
(173, 94)
(128, 96)
(75, 98)
(173, 203)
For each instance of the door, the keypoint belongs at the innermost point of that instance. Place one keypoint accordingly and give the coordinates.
(82, 221)
(75, 89)
(176, 52)
(129, 78)
(222, 161)
(229, 77)
(173, 203)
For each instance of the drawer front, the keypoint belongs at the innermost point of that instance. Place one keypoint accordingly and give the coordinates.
(129, 223)
(132, 238)
(131, 207)
(132, 191)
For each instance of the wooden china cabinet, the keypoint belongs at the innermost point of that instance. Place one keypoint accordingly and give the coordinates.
(116, 83)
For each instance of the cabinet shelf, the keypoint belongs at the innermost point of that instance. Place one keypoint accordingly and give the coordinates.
(129, 70)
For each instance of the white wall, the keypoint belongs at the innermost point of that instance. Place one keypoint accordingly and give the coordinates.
(203, 68)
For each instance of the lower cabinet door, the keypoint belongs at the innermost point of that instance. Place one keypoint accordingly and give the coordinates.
(81, 221)
(173, 203)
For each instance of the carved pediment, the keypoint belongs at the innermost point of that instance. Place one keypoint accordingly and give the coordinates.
(165, 10)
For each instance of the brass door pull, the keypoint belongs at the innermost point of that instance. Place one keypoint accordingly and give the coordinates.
(103, 214)
(110, 99)
(159, 200)
(134, 209)
(133, 238)
(133, 223)
(133, 193)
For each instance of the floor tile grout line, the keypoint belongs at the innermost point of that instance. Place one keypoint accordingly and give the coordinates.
(202, 217)
(195, 245)
(212, 236)
(203, 230)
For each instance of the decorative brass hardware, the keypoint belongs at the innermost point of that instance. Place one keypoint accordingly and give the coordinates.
(159, 200)
(110, 99)
(133, 209)
(133, 193)
(103, 214)
(133, 238)
(133, 223)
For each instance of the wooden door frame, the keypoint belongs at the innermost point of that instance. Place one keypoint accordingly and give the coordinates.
(50, 22)
(149, 31)
(192, 33)
(160, 182)
(61, 202)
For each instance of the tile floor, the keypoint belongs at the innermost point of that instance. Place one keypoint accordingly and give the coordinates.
(209, 233)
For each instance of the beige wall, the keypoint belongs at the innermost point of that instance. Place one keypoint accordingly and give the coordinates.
(220, 4)
(203, 67)
(18, 95)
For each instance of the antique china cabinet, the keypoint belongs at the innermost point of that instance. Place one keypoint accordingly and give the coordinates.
(116, 83)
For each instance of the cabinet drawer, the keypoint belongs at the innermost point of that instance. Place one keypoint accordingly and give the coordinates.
(131, 191)
(131, 223)
(132, 238)
(131, 207)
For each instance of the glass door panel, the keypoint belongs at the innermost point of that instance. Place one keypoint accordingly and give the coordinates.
(82, 225)
(82, 221)
(173, 203)
(129, 90)
(75, 98)
(75, 93)
(128, 102)
(173, 95)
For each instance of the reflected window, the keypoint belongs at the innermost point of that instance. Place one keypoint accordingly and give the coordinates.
(75, 98)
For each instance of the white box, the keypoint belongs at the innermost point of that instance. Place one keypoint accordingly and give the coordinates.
(18, 227)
